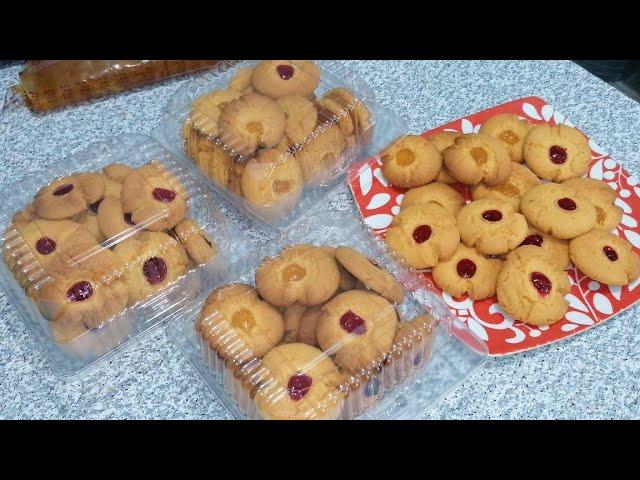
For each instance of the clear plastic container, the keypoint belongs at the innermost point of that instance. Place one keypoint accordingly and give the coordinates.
(363, 346)
(88, 278)
(272, 148)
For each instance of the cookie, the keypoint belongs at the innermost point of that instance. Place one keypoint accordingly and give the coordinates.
(116, 171)
(322, 156)
(195, 241)
(292, 315)
(330, 110)
(251, 122)
(89, 221)
(475, 158)
(280, 78)
(302, 384)
(556, 249)
(241, 81)
(435, 192)
(68, 196)
(520, 181)
(358, 111)
(154, 197)
(423, 235)
(113, 221)
(468, 272)
(373, 277)
(301, 118)
(443, 140)
(511, 130)
(206, 110)
(491, 226)
(557, 153)
(347, 281)
(238, 325)
(308, 325)
(212, 160)
(608, 215)
(411, 162)
(299, 274)
(531, 289)
(558, 210)
(153, 260)
(605, 257)
(357, 328)
(272, 181)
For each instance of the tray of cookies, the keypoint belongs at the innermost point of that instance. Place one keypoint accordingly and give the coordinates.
(275, 136)
(324, 324)
(106, 245)
(523, 225)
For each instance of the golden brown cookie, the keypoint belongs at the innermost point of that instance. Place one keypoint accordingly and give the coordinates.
(558, 210)
(299, 274)
(358, 111)
(511, 130)
(531, 289)
(322, 156)
(557, 152)
(475, 158)
(443, 140)
(436, 192)
(608, 215)
(241, 81)
(467, 271)
(411, 162)
(520, 181)
(279, 78)
(491, 226)
(292, 315)
(211, 159)
(357, 328)
(347, 281)
(605, 257)
(116, 171)
(373, 277)
(558, 250)
(423, 235)
(206, 110)
(112, 220)
(68, 196)
(301, 116)
(308, 325)
(195, 241)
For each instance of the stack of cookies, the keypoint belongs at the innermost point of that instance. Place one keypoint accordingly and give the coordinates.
(319, 337)
(266, 135)
(91, 244)
(533, 212)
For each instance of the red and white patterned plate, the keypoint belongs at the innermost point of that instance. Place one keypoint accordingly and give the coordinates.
(590, 302)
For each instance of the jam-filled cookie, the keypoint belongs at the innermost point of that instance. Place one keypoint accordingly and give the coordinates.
(279, 78)
(153, 260)
(321, 157)
(511, 130)
(154, 197)
(357, 328)
(301, 116)
(468, 272)
(212, 160)
(556, 249)
(443, 140)
(436, 192)
(491, 226)
(411, 162)
(273, 181)
(608, 215)
(238, 325)
(373, 277)
(302, 274)
(557, 152)
(521, 180)
(69, 196)
(475, 158)
(423, 235)
(112, 220)
(206, 110)
(531, 289)
(195, 241)
(253, 121)
(605, 257)
(558, 210)
(302, 383)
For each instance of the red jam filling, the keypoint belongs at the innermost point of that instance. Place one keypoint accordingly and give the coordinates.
(541, 282)
(63, 190)
(558, 155)
(94, 206)
(80, 291)
(285, 71)
(163, 195)
(533, 239)
(422, 233)
(155, 270)
(466, 268)
(492, 215)
(352, 323)
(610, 253)
(45, 246)
(567, 204)
(299, 385)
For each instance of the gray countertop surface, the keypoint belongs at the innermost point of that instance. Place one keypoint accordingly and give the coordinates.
(595, 374)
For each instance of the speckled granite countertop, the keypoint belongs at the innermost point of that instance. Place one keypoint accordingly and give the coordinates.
(593, 375)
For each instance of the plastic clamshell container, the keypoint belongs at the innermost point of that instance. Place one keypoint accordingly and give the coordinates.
(72, 342)
(429, 361)
(232, 172)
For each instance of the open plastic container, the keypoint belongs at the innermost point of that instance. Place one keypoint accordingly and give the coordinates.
(85, 293)
(322, 134)
(258, 369)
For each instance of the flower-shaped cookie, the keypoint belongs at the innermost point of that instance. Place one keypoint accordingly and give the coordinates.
(411, 162)
(280, 78)
(301, 116)
(511, 130)
(608, 215)
(206, 110)
(558, 250)
(443, 140)
(521, 180)
(436, 192)
(69, 196)
(475, 158)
